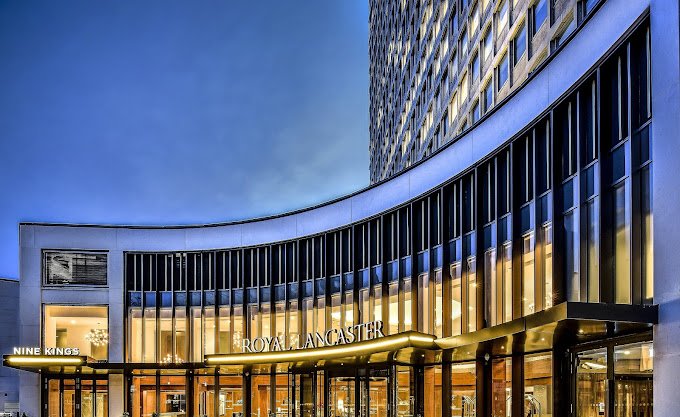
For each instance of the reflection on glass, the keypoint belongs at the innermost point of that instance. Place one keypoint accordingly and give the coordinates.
(646, 232)
(463, 390)
(364, 305)
(538, 385)
(529, 295)
(280, 320)
(82, 327)
(341, 396)
(307, 315)
(501, 387)
(265, 317)
(591, 383)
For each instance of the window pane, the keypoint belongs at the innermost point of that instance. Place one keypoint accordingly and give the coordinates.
(503, 71)
(225, 330)
(621, 247)
(149, 335)
(77, 327)
(456, 300)
(591, 383)
(135, 346)
(571, 268)
(538, 395)
(408, 322)
(633, 372)
(547, 263)
(520, 43)
(501, 387)
(463, 390)
(70, 268)
(495, 298)
(540, 12)
(528, 276)
(472, 293)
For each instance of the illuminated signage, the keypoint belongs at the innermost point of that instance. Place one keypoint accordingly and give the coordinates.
(50, 351)
(331, 337)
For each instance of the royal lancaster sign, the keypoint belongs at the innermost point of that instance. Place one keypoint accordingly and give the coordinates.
(49, 351)
(331, 337)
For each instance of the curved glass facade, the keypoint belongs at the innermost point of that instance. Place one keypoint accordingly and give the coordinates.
(559, 214)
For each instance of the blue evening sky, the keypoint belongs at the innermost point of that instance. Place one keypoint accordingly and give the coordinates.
(177, 112)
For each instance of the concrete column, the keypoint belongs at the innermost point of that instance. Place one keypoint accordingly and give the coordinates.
(665, 40)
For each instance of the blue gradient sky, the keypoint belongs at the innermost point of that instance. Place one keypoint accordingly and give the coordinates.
(177, 112)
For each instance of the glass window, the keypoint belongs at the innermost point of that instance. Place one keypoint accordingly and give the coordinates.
(501, 387)
(293, 324)
(528, 276)
(571, 258)
(475, 113)
(502, 17)
(503, 69)
(173, 399)
(633, 372)
(224, 338)
(488, 96)
(438, 303)
(74, 268)
(592, 250)
(181, 340)
(507, 281)
(591, 383)
(464, 43)
(136, 346)
(85, 328)
(196, 334)
(474, 20)
(519, 43)
(456, 300)
(408, 306)
(621, 247)
(405, 391)
(463, 88)
(487, 45)
(260, 395)
(475, 67)
(463, 390)
(349, 308)
(538, 395)
(336, 316)
(539, 13)
(433, 391)
(472, 293)
(238, 328)
(320, 315)
(230, 400)
(546, 264)
(494, 300)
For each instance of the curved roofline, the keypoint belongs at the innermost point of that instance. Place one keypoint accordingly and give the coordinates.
(501, 105)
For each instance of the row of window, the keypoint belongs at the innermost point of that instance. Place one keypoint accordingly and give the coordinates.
(413, 131)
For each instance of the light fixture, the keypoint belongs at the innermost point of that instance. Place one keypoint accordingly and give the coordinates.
(97, 337)
(169, 358)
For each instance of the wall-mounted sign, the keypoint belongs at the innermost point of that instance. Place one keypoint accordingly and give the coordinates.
(49, 351)
(331, 337)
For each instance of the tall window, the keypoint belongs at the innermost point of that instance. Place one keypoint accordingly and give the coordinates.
(503, 71)
(474, 66)
(488, 96)
(487, 44)
(539, 12)
(519, 44)
(502, 17)
(85, 328)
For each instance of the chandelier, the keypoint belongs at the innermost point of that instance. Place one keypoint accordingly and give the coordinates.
(98, 337)
(169, 358)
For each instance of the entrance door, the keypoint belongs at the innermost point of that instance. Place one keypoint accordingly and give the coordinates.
(634, 397)
(358, 393)
(76, 397)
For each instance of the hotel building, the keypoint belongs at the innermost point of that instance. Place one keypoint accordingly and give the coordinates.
(528, 267)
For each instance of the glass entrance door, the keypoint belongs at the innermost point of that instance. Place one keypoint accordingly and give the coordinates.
(351, 394)
(75, 397)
